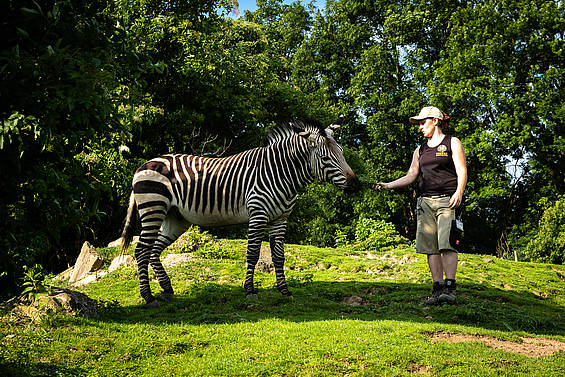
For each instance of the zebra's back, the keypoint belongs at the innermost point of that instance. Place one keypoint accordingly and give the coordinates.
(206, 191)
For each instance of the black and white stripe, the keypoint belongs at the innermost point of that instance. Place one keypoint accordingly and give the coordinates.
(258, 187)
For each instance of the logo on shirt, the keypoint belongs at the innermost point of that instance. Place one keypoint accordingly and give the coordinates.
(441, 151)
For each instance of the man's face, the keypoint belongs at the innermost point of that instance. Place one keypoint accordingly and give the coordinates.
(427, 126)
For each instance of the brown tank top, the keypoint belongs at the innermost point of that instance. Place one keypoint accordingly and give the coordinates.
(437, 170)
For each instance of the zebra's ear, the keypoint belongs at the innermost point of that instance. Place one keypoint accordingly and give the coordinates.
(335, 125)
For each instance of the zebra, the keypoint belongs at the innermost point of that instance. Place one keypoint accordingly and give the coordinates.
(258, 186)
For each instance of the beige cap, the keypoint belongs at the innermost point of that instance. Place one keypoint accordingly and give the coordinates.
(427, 112)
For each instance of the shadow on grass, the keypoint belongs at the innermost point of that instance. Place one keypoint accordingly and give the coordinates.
(30, 369)
(478, 305)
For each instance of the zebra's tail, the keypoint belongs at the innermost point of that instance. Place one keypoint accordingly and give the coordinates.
(129, 227)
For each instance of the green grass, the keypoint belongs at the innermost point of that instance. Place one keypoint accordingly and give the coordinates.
(212, 329)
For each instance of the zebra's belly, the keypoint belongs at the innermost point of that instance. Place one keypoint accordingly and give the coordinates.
(215, 219)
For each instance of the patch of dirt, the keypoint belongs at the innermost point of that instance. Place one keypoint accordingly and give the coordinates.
(424, 370)
(532, 347)
(391, 258)
(265, 262)
(559, 274)
(371, 291)
(171, 260)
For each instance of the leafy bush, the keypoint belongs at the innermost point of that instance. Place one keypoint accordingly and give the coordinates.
(35, 282)
(376, 234)
(340, 238)
(216, 251)
(191, 240)
(321, 210)
(548, 245)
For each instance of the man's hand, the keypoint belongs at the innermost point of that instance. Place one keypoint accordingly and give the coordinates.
(381, 185)
(455, 200)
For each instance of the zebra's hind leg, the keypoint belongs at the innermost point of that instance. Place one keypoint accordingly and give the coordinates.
(159, 270)
(276, 239)
(151, 217)
(173, 226)
(142, 254)
(257, 225)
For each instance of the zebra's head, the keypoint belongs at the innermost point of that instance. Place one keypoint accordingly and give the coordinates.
(327, 162)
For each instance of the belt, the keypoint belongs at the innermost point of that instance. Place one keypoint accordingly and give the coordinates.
(437, 196)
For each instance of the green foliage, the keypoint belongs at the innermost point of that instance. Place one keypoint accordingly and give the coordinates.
(16, 127)
(216, 251)
(58, 67)
(321, 210)
(548, 245)
(498, 76)
(35, 282)
(84, 78)
(376, 234)
(191, 240)
(340, 238)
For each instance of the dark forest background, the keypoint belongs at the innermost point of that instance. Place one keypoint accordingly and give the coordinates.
(92, 88)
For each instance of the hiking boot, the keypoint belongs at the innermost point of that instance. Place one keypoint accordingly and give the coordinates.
(437, 291)
(448, 295)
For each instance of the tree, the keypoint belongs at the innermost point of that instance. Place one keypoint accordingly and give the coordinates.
(548, 244)
(58, 83)
(502, 73)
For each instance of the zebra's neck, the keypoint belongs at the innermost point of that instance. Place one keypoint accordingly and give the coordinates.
(288, 162)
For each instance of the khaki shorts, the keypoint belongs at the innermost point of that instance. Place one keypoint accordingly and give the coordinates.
(434, 225)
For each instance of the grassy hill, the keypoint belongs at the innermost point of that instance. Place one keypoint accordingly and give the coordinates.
(354, 313)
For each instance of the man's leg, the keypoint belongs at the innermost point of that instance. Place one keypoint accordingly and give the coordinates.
(435, 262)
(436, 268)
(449, 259)
(449, 263)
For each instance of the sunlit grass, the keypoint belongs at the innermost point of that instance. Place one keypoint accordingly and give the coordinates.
(211, 329)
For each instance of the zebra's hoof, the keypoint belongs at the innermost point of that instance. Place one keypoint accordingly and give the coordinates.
(287, 294)
(284, 291)
(252, 296)
(168, 297)
(152, 304)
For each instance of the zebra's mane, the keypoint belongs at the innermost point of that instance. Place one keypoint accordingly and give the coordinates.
(287, 129)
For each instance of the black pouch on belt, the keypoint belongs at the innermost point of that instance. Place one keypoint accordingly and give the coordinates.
(456, 232)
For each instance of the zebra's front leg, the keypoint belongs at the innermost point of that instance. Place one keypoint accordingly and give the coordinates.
(257, 225)
(276, 240)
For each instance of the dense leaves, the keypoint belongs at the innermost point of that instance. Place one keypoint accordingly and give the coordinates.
(548, 245)
(89, 89)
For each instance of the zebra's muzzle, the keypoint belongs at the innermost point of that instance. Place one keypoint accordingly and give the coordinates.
(352, 185)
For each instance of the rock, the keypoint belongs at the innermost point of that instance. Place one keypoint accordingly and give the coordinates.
(118, 242)
(63, 301)
(353, 300)
(87, 261)
(90, 278)
(265, 263)
(121, 261)
(171, 260)
(65, 275)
